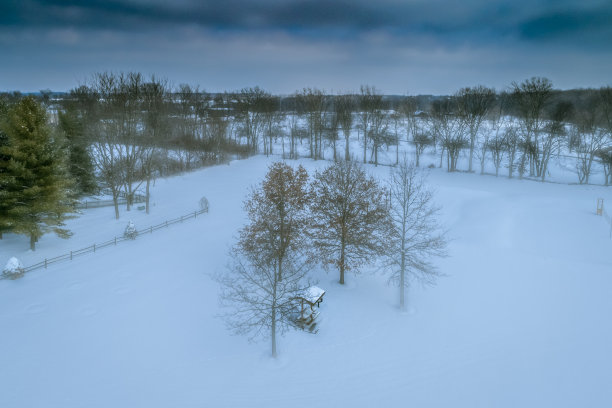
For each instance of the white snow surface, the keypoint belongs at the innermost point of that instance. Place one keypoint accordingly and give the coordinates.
(521, 319)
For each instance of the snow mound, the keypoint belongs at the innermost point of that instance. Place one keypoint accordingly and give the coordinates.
(14, 268)
(130, 231)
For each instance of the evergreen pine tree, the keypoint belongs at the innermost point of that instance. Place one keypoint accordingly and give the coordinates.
(81, 166)
(35, 181)
(5, 224)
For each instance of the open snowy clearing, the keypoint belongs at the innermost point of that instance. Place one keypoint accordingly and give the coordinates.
(521, 319)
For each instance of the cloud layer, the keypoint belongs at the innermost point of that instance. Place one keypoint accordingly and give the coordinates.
(288, 44)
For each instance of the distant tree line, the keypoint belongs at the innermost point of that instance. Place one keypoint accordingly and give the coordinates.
(119, 131)
(179, 128)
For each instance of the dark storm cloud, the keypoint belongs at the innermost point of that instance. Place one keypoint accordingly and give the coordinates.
(571, 23)
(528, 20)
(229, 14)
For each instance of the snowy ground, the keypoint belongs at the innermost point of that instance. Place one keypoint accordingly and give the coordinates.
(522, 318)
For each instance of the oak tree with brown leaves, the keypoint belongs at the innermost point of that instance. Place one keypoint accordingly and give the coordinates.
(270, 259)
(350, 215)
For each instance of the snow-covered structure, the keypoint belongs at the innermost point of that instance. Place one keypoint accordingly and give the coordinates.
(14, 269)
(313, 296)
(130, 231)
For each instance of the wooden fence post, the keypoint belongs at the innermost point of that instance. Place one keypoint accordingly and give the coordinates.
(71, 255)
(94, 245)
(45, 263)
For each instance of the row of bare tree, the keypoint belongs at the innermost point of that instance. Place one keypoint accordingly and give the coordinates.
(140, 127)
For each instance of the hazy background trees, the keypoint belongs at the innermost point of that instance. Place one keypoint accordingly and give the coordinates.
(450, 131)
(121, 130)
(370, 106)
(344, 107)
(473, 105)
(530, 98)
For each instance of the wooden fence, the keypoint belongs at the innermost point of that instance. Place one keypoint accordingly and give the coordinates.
(95, 247)
(137, 198)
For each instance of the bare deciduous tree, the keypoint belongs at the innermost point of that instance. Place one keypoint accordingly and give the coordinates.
(530, 98)
(370, 104)
(344, 107)
(605, 155)
(450, 130)
(314, 103)
(351, 217)
(473, 105)
(249, 103)
(379, 132)
(414, 129)
(155, 126)
(493, 137)
(511, 139)
(417, 237)
(553, 133)
(592, 138)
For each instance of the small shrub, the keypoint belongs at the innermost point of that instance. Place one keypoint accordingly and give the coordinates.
(204, 204)
(130, 231)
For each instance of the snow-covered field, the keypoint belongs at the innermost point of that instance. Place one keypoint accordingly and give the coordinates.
(522, 318)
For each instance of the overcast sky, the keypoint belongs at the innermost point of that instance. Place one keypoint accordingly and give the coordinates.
(399, 46)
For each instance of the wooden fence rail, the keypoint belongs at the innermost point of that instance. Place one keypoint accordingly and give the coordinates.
(112, 242)
(107, 203)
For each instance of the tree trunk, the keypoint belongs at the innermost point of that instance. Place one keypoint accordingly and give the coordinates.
(33, 241)
(273, 331)
(342, 263)
(376, 155)
(403, 282)
(335, 157)
(148, 194)
(128, 197)
(365, 144)
(116, 203)
(472, 140)
(397, 152)
(347, 156)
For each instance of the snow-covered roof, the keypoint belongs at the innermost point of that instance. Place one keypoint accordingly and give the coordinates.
(313, 293)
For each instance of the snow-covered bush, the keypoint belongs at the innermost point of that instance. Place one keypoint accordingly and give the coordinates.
(14, 269)
(204, 204)
(130, 231)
